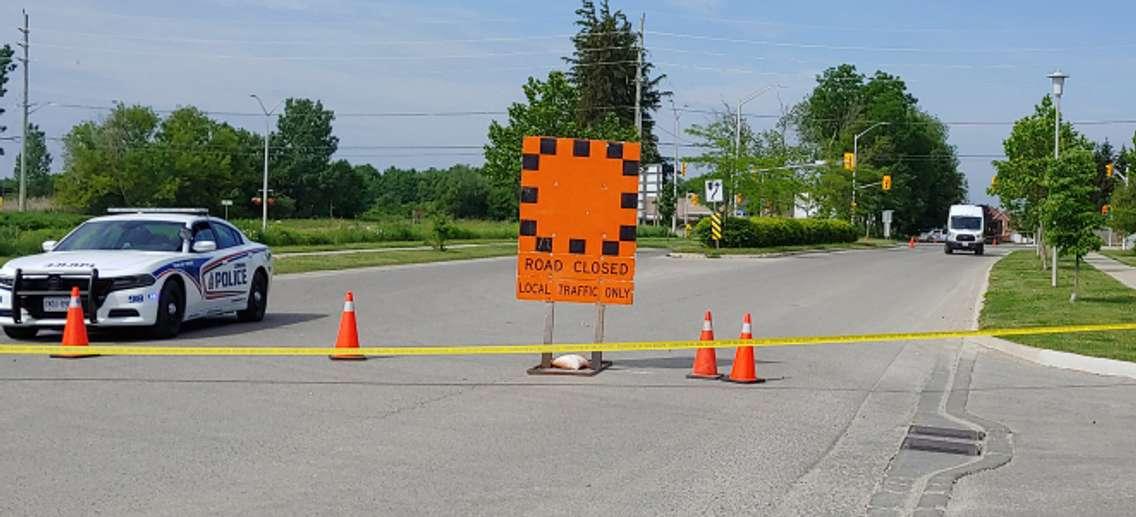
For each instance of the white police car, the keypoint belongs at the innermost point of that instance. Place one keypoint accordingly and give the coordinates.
(151, 268)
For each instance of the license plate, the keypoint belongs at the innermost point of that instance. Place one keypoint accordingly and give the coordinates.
(56, 303)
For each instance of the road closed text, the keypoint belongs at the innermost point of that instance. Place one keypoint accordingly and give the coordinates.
(614, 268)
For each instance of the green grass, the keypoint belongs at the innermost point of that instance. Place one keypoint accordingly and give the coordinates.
(669, 243)
(337, 232)
(688, 246)
(1020, 296)
(1125, 256)
(389, 258)
(376, 245)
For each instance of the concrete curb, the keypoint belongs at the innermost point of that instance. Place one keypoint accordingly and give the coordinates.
(778, 254)
(1056, 359)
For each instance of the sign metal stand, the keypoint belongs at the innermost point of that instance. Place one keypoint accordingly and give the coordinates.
(577, 235)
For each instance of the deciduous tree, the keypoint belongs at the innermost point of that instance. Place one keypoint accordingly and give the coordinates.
(1070, 215)
(39, 179)
(549, 109)
(6, 66)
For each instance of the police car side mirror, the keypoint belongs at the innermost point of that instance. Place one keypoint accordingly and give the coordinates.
(204, 246)
(48, 246)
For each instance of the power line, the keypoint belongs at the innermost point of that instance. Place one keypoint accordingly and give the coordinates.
(479, 113)
(861, 48)
(353, 42)
(488, 55)
(849, 27)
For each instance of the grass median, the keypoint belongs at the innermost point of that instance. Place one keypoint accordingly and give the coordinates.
(1125, 256)
(390, 257)
(1020, 296)
(689, 246)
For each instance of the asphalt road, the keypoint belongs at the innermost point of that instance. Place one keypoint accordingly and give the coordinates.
(475, 435)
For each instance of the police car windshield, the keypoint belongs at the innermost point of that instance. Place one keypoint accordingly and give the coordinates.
(959, 222)
(124, 235)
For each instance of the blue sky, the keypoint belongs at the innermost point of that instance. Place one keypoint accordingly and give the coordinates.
(966, 61)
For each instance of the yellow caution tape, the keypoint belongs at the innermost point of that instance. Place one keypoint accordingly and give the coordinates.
(641, 346)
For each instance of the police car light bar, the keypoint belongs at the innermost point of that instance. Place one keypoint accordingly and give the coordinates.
(194, 211)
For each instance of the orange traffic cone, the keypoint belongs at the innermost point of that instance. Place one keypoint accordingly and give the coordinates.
(744, 371)
(911, 243)
(75, 330)
(348, 333)
(705, 360)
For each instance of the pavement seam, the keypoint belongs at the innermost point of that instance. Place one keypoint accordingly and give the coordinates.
(999, 443)
(929, 494)
(780, 508)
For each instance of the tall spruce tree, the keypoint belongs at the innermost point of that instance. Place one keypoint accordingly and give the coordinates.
(603, 70)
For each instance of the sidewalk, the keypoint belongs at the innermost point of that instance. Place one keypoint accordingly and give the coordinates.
(1124, 273)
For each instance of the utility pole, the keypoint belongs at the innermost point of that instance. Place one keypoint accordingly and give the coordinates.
(639, 81)
(23, 204)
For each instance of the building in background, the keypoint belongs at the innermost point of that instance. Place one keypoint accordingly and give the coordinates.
(652, 177)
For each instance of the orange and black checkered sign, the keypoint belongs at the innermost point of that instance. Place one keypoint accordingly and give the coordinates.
(579, 204)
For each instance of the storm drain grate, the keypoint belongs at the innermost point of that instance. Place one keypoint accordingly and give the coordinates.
(948, 440)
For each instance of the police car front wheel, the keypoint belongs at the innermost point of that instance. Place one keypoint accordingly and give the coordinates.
(171, 309)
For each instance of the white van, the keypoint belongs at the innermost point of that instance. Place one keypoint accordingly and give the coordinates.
(965, 227)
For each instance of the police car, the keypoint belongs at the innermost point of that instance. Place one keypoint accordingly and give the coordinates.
(152, 268)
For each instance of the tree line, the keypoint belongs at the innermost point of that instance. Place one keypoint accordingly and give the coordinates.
(135, 157)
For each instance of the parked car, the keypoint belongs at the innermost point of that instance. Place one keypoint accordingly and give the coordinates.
(153, 268)
(933, 235)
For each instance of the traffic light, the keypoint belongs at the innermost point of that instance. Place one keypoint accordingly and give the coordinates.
(694, 199)
(1105, 209)
(683, 169)
(994, 181)
(849, 161)
(1108, 170)
(886, 183)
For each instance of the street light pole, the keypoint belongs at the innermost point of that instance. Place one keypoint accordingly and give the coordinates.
(1058, 80)
(738, 138)
(856, 163)
(267, 134)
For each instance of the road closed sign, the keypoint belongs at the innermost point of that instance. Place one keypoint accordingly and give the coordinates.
(579, 202)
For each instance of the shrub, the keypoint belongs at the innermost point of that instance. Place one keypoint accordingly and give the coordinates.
(653, 231)
(737, 232)
(764, 232)
(441, 231)
(40, 220)
(16, 243)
